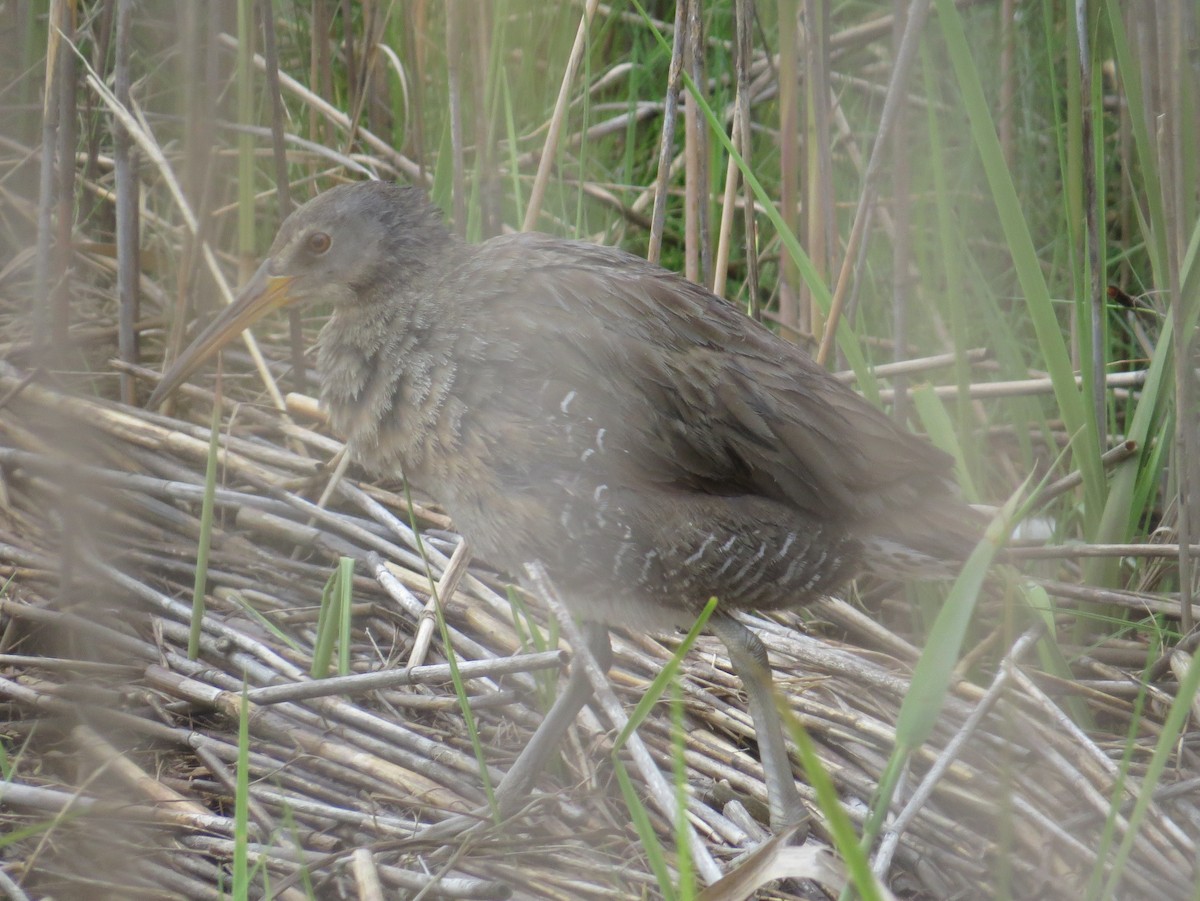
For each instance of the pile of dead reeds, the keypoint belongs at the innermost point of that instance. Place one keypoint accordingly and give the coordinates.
(123, 753)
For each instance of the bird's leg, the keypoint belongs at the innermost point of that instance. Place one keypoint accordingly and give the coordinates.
(515, 784)
(513, 788)
(749, 658)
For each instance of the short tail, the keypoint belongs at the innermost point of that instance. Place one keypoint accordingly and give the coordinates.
(930, 542)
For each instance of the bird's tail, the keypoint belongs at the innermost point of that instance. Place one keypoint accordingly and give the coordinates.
(931, 542)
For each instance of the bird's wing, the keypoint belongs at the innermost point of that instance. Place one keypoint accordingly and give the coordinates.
(736, 409)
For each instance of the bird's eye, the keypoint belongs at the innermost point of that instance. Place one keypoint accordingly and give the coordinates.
(318, 243)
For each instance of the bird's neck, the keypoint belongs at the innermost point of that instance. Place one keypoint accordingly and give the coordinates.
(388, 369)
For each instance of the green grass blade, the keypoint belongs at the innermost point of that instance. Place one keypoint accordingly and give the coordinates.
(1164, 749)
(687, 873)
(1119, 792)
(206, 523)
(664, 677)
(530, 635)
(243, 603)
(345, 608)
(642, 825)
(837, 821)
(327, 619)
(1055, 355)
(940, 430)
(293, 830)
(241, 803)
(935, 669)
(460, 690)
(1150, 189)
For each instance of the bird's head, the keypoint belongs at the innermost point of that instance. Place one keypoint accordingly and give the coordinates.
(346, 246)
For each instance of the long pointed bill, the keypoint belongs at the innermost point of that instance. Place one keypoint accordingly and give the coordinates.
(263, 293)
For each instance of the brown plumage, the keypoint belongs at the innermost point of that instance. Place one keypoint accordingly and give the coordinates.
(578, 407)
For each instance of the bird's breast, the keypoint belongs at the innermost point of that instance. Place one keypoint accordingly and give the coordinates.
(397, 398)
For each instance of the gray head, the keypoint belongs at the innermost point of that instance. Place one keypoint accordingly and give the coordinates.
(350, 245)
(351, 239)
